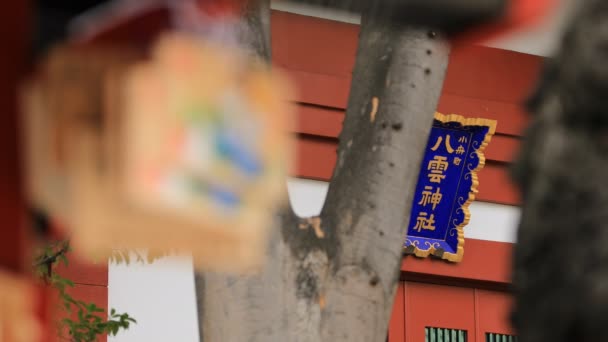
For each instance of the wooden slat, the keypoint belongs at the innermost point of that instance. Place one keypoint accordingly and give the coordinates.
(502, 148)
(319, 121)
(491, 74)
(315, 159)
(511, 117)
(314, 45)
(320, 89)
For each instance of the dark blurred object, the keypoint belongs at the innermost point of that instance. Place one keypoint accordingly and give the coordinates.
(52, 18)
(39, 222)
(449, 15)
(560, 275)
(465, 21)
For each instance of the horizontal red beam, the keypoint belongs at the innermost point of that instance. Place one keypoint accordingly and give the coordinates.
(327, 123)
(483, 261)
(320, 89)
(314, 45)
(512, 119)
(308, 45)
(319, 121)
(323, 99)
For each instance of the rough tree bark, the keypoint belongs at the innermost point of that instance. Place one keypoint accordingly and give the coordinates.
(333, 277)
(560, 276)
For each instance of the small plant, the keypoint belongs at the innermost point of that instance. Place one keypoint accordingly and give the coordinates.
(84, 322)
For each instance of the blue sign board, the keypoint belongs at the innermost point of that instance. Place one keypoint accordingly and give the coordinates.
(447, 184)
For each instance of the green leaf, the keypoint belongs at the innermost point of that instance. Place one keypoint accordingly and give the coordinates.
(64, 259)
(90, 322)
(67, 321)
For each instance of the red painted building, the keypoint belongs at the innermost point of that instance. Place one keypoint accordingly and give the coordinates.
(434, 297)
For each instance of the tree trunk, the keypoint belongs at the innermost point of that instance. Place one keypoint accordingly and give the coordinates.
(333, 277)
(560, 277)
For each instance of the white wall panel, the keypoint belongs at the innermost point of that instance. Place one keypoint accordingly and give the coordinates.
(493, 222)
(161, 298)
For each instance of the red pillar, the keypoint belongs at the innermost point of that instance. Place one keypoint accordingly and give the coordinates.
(15, 37)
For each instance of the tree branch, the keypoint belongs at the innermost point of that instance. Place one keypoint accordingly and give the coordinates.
(254, 29)
(50, 259)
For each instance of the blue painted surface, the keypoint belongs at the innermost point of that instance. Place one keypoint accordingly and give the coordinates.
(233, 148)
(444, 184)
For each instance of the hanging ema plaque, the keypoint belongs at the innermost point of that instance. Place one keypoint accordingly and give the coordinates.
(447, 185)
(184, 150)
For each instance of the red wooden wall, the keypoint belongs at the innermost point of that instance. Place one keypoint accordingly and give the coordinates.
(480, 82)
(418, 305)
(14, 33)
